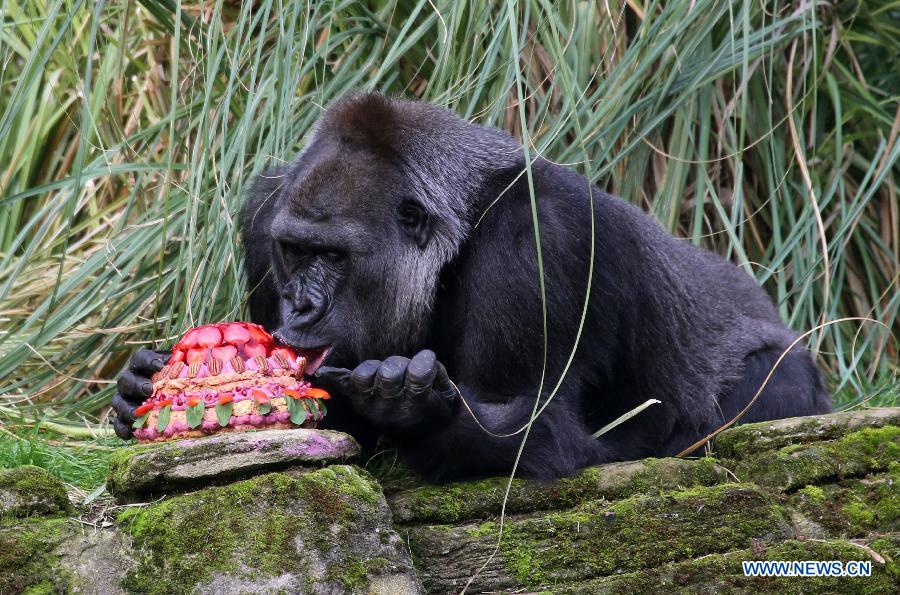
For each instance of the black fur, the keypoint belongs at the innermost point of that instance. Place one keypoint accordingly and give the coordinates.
(665, 319)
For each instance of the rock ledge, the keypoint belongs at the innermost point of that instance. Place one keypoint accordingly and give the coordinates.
(174, 466)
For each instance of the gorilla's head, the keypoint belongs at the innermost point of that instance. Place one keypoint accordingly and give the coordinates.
(360, 225)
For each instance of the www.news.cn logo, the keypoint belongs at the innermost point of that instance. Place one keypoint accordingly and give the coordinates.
(806, 568)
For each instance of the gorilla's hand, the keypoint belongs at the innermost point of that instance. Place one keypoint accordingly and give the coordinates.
(134, 386)
(397, 394)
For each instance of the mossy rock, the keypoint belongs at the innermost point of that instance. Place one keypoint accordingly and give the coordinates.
(26, 555)
(60, 555)
(852, 507)
(791, 467)
(164, 467)
(748, 440)
(30, 490)
(545, 551)
(481, 499)
(720, 573)
(324, 530)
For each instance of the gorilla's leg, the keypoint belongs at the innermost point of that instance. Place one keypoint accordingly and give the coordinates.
(796, 387)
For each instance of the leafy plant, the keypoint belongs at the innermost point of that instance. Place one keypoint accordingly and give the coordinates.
(128, 131)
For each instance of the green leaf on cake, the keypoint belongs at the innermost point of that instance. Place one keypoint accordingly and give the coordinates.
(297, 411)
(139, 422)
(322, 407)
(223, 413)
(164, 414)
(312, 405)
(264, 408)
(194, 415)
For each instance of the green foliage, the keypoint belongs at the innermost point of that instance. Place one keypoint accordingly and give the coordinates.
(83, 463)
(128, 132)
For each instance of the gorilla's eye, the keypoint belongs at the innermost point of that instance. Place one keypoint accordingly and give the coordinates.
(332, 255)
(291, 256)
(296, 257)
(415, 222)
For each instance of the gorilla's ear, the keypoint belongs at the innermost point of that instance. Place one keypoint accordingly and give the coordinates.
(415, 222)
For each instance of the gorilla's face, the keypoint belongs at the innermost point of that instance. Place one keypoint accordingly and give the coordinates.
(350, 256)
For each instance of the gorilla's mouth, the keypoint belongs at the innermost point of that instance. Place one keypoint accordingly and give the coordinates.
(315, 357)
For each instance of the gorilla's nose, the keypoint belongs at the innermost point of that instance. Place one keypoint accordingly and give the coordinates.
(306, 305)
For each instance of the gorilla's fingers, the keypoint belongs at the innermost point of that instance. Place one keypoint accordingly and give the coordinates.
(421, 372)
(334, 380)
(389, 380)
(122, 428)
(145, 362)
(133, 387)
(363, 377)
(124, 409)
(442, 385)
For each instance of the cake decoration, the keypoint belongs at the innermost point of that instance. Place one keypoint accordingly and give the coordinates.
(230, 376)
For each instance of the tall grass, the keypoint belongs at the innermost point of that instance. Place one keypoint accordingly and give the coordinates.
(128, 131)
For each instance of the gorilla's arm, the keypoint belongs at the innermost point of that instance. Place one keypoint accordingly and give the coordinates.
(444, 433)
(556, 446)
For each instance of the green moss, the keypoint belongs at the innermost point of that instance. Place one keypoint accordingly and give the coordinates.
(750, 440)
(519, 561)
(353, 575)
(853, 455)
(30, 490)
(27, 560)
(638, 532)
(723, 573)
(888, 547)
(854, 507)
(42, 588)
(252, 527)
(486, 528)
(859, 514)
(814, 493)
(449, 503)
(122, 468)
(480, 499)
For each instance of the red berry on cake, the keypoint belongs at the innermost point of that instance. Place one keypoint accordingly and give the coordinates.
(236, 334)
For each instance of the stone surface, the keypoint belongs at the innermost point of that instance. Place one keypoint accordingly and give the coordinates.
(324, 530)
(596, 538)
(167, 466)
(26, 555)
(809, 489)
(853, 455)
(722, 573)
(856, 508)
(744, 441)
(484, 498)
(95, 560)
(61, 555)
(793, 489)
(30, 490)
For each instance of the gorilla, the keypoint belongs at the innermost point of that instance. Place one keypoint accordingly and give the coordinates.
(400, 247)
